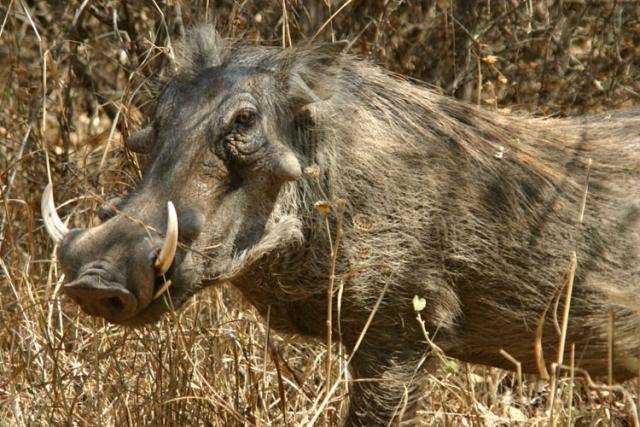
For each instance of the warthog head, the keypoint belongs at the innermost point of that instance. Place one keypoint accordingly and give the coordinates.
(221, 151)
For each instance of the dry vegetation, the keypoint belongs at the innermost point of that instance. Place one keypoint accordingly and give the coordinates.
(77, 76)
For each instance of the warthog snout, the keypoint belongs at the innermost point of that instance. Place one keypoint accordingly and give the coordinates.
(119, 268)
(101, 291)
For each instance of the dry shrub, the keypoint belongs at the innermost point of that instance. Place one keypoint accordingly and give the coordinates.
(76, 77)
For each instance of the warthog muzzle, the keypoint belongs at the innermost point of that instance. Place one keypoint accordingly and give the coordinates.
(116, 270)
(101, 291)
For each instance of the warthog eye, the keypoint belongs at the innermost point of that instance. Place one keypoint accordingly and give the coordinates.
(242, 138)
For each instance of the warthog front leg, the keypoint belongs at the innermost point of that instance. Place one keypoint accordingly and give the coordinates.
(386, 390)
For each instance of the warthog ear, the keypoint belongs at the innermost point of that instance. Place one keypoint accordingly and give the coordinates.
(306, 74)
(140, 141)
(201, 47)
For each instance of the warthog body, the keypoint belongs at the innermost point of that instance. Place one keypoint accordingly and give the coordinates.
(474, 211)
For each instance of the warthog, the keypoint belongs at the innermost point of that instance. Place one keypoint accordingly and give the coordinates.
(476, 212)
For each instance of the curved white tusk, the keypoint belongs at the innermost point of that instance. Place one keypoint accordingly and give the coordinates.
(52, 222)
(168, 251)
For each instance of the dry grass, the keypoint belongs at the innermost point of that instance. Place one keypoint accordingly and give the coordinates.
(76, 76)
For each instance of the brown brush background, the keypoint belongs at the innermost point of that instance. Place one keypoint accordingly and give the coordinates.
(77, 76)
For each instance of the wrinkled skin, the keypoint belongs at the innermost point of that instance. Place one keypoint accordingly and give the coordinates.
(474, 211)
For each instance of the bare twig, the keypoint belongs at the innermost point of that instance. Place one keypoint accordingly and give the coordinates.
(9, 185)
(518, 366)
(6, 16)
(331, 18)
(633, 409)
(567, 303)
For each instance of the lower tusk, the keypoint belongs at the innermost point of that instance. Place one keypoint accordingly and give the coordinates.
(168, 251)
(52, 222)
(162, 290)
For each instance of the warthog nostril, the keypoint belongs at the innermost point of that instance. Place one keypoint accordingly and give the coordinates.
(99, 297)
(115, 303)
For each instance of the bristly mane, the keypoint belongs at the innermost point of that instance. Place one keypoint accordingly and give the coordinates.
(408, 107)
(475, 209)
(477, 212)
